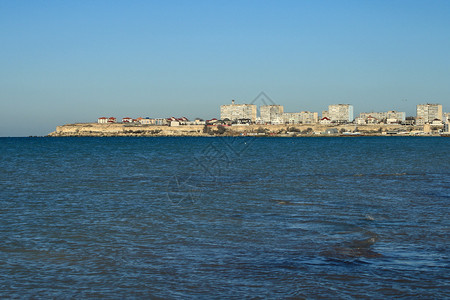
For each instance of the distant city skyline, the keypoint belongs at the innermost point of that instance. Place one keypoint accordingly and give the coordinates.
(267, 111)
(73, 61)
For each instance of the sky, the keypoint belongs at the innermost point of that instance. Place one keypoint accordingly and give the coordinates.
(74, 61)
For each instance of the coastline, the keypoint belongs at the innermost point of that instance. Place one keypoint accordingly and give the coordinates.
(297, 130)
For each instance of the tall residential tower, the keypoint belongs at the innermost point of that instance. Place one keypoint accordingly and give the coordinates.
(426, 113)
(340, 113)
(235, 112)
(271, 113)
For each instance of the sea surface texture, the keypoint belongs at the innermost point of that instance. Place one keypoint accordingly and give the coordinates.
(224, 217)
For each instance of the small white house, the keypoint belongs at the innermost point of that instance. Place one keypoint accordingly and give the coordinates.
(102, 120)
(277, 121)
(199, 122)
(144, 121)
(259, 121)
(360, 121)
(160, 121)
(392, 121)
(372, 120)
(436, 122)
(325, 120)
(212, 121)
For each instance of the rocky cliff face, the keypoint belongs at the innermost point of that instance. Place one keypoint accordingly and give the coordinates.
(95, 129)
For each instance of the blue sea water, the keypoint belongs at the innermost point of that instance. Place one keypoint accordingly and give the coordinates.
(224, 217)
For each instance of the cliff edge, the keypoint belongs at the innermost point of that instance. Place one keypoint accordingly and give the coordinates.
(120, 129)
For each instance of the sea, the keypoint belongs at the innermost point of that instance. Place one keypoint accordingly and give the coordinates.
(225, 217)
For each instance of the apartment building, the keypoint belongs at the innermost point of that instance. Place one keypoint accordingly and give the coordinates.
(340, 113)
(304, 117)
(271, 113)
(235, 111)
(426, 113)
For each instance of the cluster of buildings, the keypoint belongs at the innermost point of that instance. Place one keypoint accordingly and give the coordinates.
(236, 114)
(172, 121)
(146, 121)
(336, 114)
(389, 117)
(269, 114)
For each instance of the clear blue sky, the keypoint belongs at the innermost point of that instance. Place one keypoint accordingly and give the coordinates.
(73, 61)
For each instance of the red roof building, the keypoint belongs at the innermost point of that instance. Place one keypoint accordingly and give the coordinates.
(102, 120)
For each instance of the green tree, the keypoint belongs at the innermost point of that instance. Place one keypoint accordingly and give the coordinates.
(221, 129)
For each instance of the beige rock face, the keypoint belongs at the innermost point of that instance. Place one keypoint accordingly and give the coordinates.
(95, 129)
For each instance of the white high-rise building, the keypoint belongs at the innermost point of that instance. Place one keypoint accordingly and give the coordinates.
(292, 118)
(426, 113)
(340, 113)
(234, 111)
(304, 117)
(378, 115)
(309, 117)
(271, 113)
(446, 117)
(447, 126)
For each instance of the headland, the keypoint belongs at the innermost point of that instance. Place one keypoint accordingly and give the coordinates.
(306, 130)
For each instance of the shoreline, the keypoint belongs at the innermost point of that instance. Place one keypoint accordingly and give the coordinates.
(292, 130)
